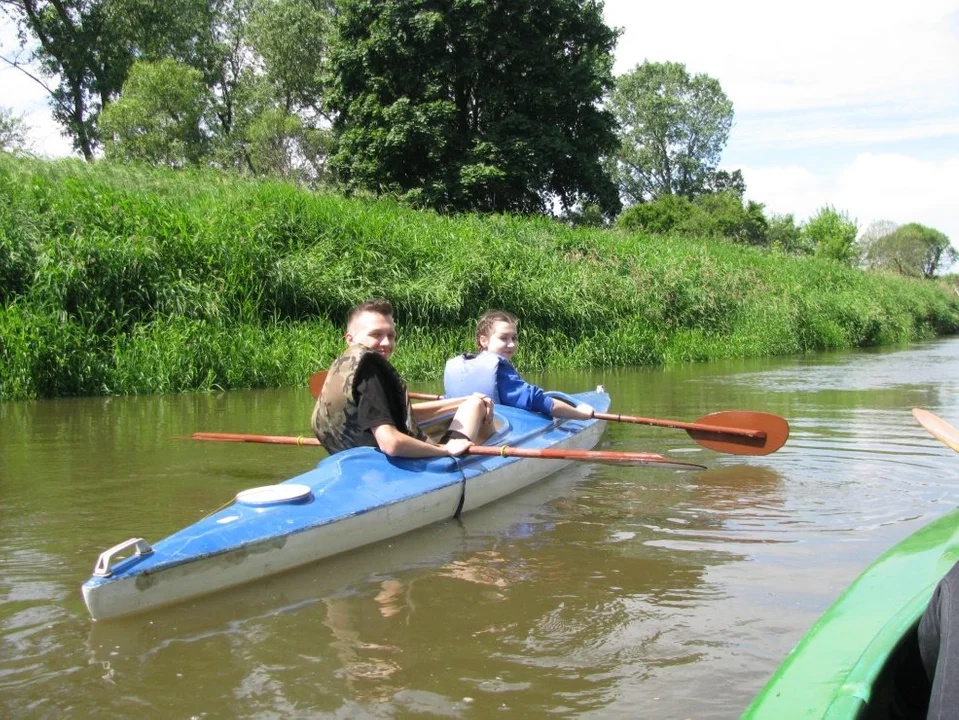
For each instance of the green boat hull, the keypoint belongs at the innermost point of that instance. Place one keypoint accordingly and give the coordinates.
(844, 664)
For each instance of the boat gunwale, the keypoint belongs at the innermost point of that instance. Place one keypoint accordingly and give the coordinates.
(820, 676)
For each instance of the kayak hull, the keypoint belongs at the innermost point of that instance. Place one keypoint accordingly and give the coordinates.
(841, 667)
(352, 499)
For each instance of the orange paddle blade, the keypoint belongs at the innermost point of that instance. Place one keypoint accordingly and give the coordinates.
(738, 432)
(774, 432)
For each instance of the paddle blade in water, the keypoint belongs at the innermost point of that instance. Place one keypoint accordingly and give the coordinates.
(776, 431)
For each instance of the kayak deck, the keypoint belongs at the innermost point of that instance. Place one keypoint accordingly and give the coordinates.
(348, 500)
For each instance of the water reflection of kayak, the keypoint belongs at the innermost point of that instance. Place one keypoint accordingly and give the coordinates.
(861, 658)
(349, 500)
(527, 514)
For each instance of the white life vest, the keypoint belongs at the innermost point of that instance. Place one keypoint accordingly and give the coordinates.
(468, 373)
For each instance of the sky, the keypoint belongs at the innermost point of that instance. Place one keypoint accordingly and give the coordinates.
(849, 103)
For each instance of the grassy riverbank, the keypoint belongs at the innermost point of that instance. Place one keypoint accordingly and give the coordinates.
(122, 280)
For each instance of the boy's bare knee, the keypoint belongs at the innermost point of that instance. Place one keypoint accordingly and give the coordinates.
(473, 405)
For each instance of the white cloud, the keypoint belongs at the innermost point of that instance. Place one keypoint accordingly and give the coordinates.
(797, 131)
(902, 189)
(786, 190)
(773, 56)
(874, 186)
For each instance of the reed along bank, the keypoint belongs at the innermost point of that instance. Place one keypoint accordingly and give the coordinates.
(118, 280)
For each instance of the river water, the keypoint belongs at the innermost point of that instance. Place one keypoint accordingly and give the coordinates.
(603, 591)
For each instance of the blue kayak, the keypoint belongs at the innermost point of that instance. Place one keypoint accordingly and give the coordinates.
(348, 500)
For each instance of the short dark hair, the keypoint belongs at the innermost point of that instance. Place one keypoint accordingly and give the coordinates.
(484, 326)
(380, 306)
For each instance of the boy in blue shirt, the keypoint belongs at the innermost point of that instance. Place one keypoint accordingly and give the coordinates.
(491, 373)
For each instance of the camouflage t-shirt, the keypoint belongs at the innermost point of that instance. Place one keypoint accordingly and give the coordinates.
(337, 421)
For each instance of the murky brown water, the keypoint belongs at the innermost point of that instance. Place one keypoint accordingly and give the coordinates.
(604, 591)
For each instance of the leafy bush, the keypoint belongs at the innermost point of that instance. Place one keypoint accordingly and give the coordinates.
(784, 235)
(832, 234)
(659, 217)
(716, 215)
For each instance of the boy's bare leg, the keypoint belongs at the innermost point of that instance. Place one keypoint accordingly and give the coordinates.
(471, 418)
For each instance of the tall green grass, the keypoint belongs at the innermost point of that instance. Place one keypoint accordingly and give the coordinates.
(116, 279)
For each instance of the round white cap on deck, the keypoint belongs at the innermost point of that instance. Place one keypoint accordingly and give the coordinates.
(274, 494)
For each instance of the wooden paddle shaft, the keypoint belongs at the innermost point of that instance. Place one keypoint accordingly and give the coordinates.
(600, 456)
(609, 456)
(681, 425)
(738, 432)
(269, 439)
(613, 417)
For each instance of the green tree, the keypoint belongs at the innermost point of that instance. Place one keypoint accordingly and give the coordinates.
(474, 105)
(867, 241)
(13, 131)
(718, 215)
(289, 134)
(786, 236)
(660, 217)
(279, 144)
(88, 46)
(723, 214)
(832, 234)
(723, 181)
(673, 128)
(291, 38)
(911, 249)
(157, 118)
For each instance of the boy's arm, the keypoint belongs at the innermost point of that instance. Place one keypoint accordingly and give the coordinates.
(374, 414)
(398, 444)
(431, 409)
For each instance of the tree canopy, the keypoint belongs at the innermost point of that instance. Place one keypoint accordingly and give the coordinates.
(456, 105)
(832, 234)
(718, 214)
(157, 118)
(672, 130)
(911, 249)
(88, 47)
(474, 105)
